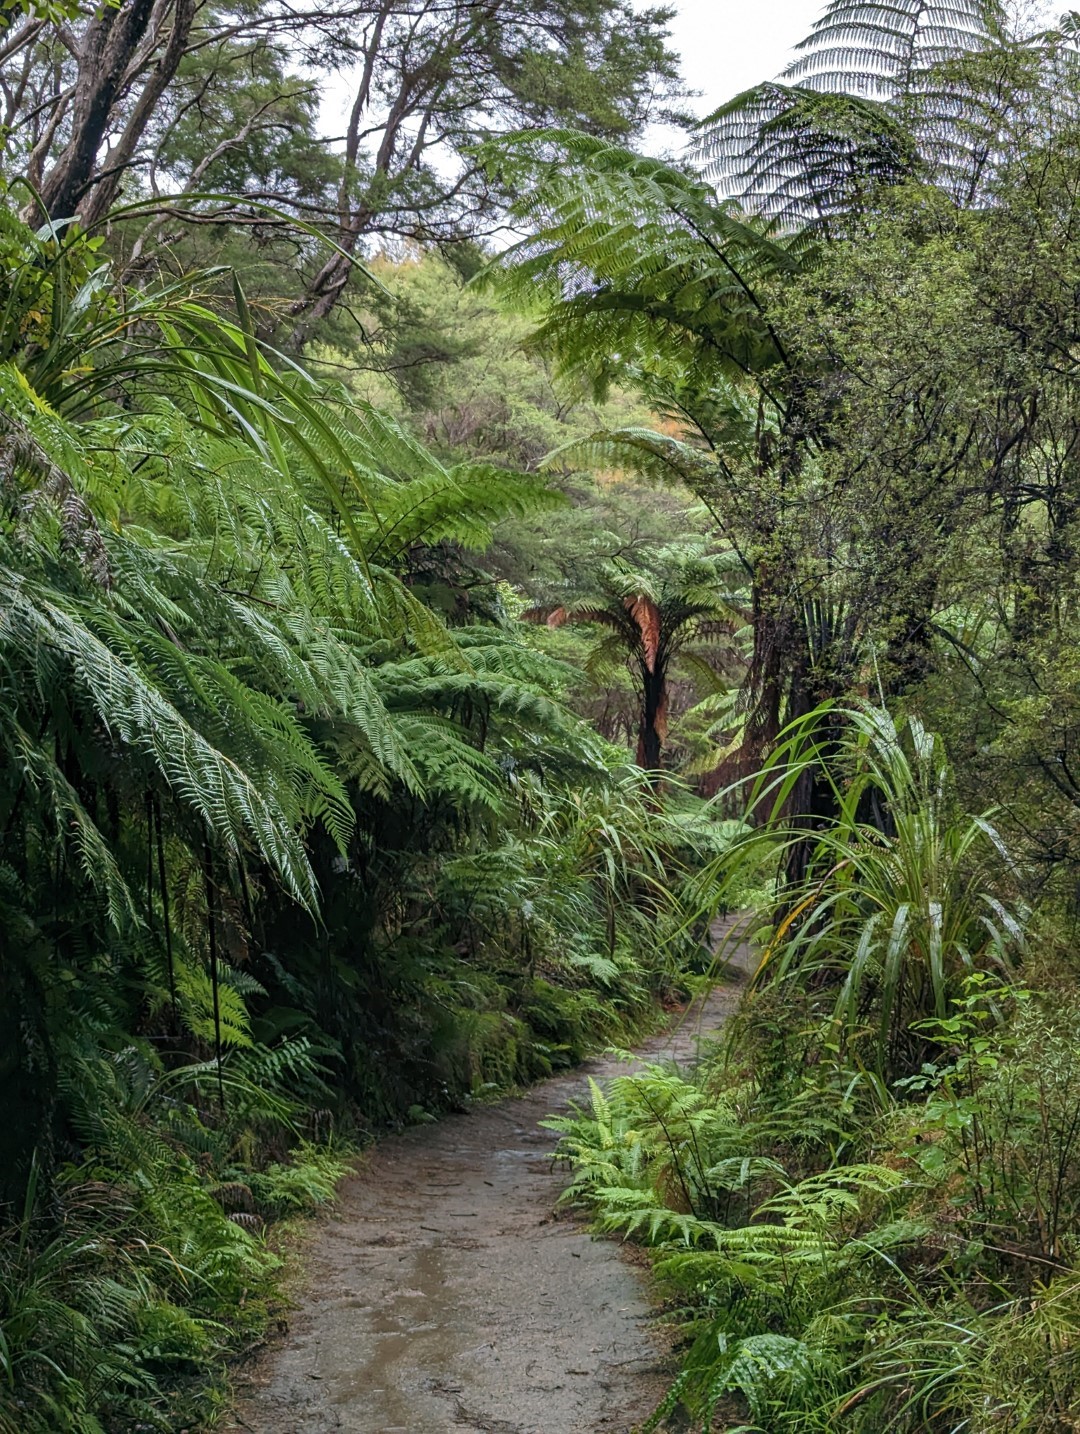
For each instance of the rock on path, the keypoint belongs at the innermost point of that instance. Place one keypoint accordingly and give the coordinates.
(443, 1296)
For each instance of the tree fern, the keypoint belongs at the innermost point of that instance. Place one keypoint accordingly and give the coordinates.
(652, 270)
(881, 47)
(881, 92)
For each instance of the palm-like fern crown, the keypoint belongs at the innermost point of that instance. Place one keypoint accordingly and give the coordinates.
(636, 269)
(881, 48)
(880, 90)
(657, 604)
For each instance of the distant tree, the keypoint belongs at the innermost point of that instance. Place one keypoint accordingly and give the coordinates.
(664, 603)
(640, 278)
(433, 82)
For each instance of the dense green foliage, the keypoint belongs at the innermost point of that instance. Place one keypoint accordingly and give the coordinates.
(296, 836)
(837, 1262)
(383, 729)
(862, 1203)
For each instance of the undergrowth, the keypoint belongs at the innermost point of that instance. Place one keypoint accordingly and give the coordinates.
(835, 1263)
(146, 1251)
(149, 1256)
(863, 1204)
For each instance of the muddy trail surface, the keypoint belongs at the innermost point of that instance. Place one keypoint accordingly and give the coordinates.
(444, 1295)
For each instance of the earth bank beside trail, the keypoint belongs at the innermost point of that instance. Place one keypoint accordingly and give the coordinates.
(444, 1296)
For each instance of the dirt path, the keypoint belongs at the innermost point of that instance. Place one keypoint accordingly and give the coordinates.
(444, 1297)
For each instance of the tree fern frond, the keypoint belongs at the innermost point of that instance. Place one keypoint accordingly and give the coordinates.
(138, 715)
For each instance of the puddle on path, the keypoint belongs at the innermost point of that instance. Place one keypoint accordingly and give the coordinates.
(445, 1297)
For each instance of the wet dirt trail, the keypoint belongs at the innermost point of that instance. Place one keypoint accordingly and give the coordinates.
(444, 1296)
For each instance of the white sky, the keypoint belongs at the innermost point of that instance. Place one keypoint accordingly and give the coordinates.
(729, 45)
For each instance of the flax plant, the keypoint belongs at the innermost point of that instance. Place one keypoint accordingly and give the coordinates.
(903, 895)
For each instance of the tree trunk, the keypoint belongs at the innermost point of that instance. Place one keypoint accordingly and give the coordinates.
(74, 185)
(109, 42)
(652, 728)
